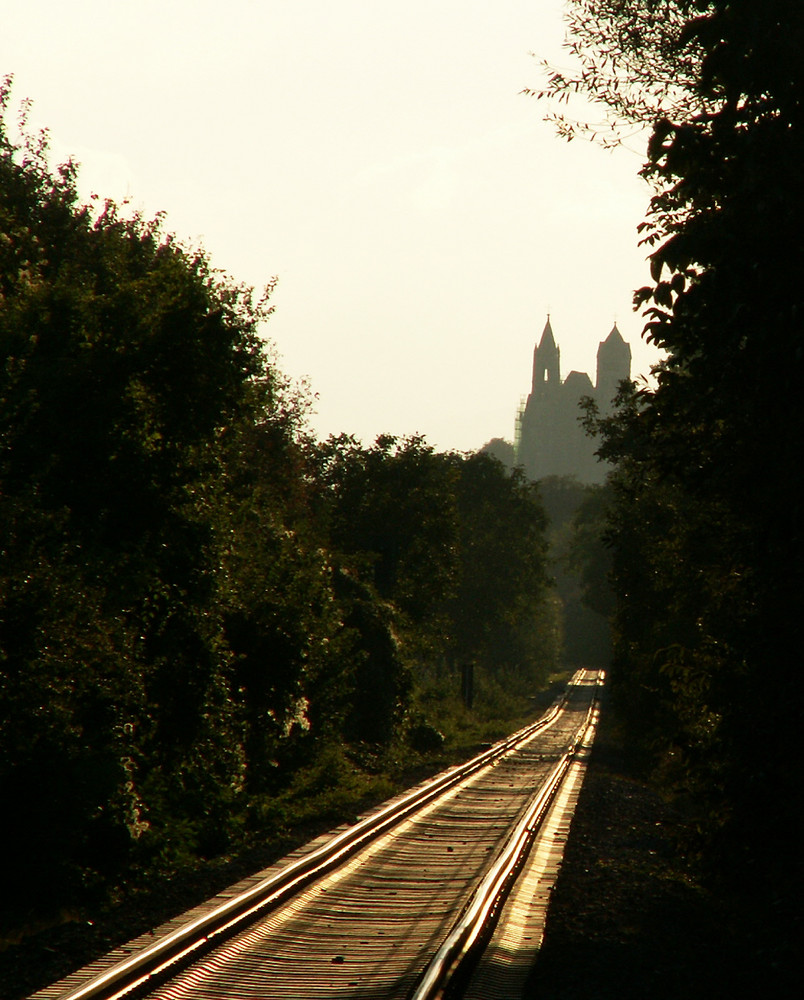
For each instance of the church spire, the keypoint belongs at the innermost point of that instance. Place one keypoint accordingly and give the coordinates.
(546, 360)
(547, 334)
(613, 367)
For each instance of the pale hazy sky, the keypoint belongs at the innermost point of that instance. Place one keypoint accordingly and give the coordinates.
(378, 157)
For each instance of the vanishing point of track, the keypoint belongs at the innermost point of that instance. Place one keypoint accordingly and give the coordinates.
(402, 904)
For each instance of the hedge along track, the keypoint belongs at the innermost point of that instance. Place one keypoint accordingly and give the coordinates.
(282, 892)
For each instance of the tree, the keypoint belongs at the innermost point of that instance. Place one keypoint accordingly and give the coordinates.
(392, 505)
(443, 558)
(389, 512)
(634, 61)
(125, 360)
(709, 494)
(498, 614)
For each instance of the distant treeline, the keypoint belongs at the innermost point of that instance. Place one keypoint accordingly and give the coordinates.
(196, 598)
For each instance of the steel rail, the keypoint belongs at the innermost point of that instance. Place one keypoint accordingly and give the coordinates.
(175, 946)
(462, 945)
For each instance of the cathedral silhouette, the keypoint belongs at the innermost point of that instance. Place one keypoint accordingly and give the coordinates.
(550, 440)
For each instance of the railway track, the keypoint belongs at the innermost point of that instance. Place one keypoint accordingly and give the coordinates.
(421, 898)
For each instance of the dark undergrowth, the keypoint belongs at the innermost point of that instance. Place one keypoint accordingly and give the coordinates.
(342, 783)
(634, 914)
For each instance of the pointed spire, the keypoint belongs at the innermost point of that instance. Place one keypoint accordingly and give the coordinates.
(546, 361)
(547, 334)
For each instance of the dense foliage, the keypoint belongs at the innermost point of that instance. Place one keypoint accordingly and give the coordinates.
(580, 564)
(706, 525)
(456, 545)
(203, 612)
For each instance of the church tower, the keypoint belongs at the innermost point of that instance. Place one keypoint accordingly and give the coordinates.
(551, 439)
(546, 363)
(613, 367)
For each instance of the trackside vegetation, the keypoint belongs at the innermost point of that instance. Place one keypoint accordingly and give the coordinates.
(705, 505)
(213, 626)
